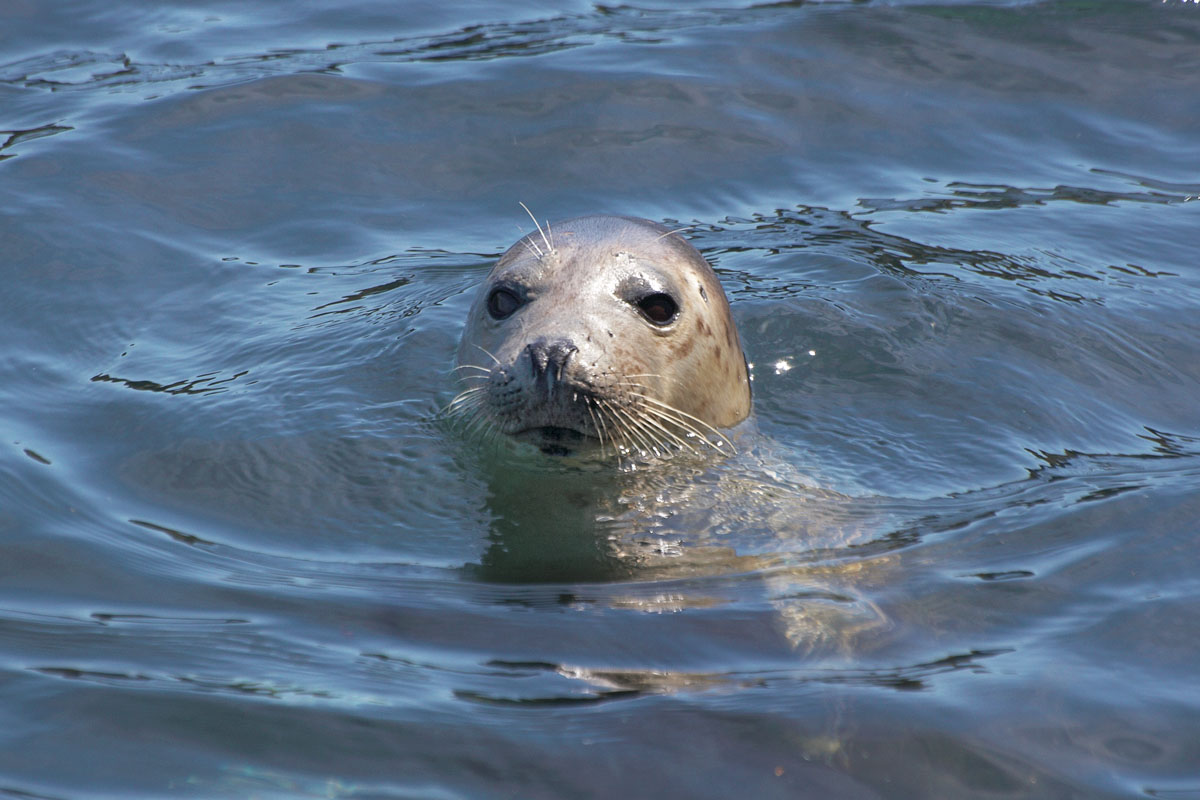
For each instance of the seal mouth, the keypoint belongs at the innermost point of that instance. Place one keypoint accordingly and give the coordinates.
(554, 440)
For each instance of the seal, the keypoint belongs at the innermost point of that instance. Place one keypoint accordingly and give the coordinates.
(603, 330)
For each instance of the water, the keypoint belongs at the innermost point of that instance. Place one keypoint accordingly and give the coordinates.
(955, 557)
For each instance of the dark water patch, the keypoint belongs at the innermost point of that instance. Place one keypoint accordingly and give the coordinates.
(38, 457)
(66, 69)
(594, 696)
(146, 619)
(15, 138)
(965, 196)
(1010, 575)
(178, 536)
(201, 384)
(85, 675)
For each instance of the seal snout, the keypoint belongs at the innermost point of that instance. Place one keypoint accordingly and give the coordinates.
(548, 358)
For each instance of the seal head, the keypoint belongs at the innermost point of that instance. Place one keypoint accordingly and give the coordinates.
(603, 330)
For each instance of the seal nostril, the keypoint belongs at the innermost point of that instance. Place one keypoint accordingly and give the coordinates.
(550, 355)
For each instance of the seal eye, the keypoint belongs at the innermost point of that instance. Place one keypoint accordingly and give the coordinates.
(659, 308)
(501, 303)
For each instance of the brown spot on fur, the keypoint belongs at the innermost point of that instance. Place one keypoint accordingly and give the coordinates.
(702, 327)
(685, 347)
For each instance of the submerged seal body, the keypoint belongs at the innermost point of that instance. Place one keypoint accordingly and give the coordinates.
(603, 330)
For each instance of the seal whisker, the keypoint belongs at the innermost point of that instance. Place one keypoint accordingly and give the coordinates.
(620, 429)
(637, 432)
(629, 447)
(652, 422)
(545, 238)
(651, 443)
(655, 418)
(472, 419)
(677, 230)
(492, 432)
(469, 411)
(472, 366)
(596, 425)
(679, 417)
(687, 430)
(477, 382)
(532, 247)
(465, 393)
(464, 406)
(619, 424)
(650, 427)
(662, 423)
(658, 445)
(618, 449)
(635, 387)
(463, 398)
(476, 420)
(700, 433)
(614, 436)
(488, 353)
(480, 423)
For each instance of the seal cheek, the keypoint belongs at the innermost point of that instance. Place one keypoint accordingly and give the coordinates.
(684, 346)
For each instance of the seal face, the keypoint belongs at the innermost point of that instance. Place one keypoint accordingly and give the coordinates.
(603, 330)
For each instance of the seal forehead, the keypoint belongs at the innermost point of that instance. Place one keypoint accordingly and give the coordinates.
(629, 234)
(602, 248)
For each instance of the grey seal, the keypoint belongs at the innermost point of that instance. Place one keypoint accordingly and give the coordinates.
(607, 332)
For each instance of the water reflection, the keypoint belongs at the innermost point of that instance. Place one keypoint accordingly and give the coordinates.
(694, 532)
(547, 525)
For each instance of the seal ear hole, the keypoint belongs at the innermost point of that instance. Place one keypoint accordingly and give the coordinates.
(659, 308)
(703, 294)
(501, 303)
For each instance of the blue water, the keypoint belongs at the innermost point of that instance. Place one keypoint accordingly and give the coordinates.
(242, 556)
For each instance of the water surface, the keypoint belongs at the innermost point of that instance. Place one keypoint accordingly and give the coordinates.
(954, 557)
